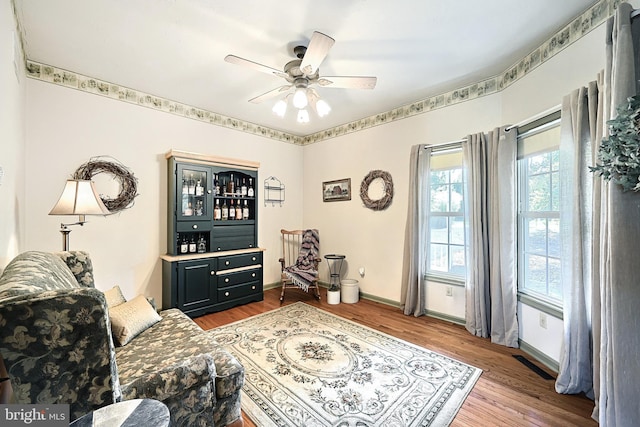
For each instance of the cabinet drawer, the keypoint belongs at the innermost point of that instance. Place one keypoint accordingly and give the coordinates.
(239, 291)
(238, 277)
(233, 243)
(242, 260)
(185, 226)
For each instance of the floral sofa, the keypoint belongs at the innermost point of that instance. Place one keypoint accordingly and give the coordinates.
(56, 341)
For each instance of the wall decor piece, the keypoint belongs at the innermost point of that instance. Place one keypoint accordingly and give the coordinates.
(273, 191)
(337, 190)
(122, 174)
(384, 201)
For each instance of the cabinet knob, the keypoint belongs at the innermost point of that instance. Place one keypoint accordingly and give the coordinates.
(226, 294)
(226, 280)
(218, 247)
(253, 288)
(226, 263)
(253, 274)
(250, 245)
(208, 191)
(195, 226)
(253, 258)
(213, 273)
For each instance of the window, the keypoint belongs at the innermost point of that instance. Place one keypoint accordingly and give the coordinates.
(538, 214)
(446, 217)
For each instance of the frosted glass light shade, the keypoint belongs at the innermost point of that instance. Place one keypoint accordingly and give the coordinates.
(280, 108)
(303, 116)
(79, 197)
(322, 108)
(300, 98)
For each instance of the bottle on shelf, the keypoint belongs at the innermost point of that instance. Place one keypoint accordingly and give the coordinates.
(239, 210)
(232, 210)
(184, 245)
(185, 186)
(245, 211)
(250, 192)
(202, 245)
(243, 189)
(217, 212)
(199, 188)
(223, 187)
(237, 188)
(216, 184)
(199, 208)
(192, 185)
(231, 187)
(224, 211)
(192, 246)
(189, 210)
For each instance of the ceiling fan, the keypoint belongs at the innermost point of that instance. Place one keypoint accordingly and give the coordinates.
(303, 72)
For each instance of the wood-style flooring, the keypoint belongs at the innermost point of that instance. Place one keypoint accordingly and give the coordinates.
(507, 393)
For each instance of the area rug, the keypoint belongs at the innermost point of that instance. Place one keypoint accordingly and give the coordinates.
(306, 367)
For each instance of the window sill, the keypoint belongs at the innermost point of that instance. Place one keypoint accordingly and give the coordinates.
(454, 281)
(545, 307)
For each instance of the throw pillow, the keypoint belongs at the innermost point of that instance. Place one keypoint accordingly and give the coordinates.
(131, 318)
(114, 297)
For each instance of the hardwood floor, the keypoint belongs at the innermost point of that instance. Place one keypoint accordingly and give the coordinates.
(507, 393)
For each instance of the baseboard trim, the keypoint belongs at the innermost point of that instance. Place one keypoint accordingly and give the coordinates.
(539, 356)
(445, 317)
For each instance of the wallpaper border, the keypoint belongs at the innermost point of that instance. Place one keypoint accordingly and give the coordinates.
(572, 32)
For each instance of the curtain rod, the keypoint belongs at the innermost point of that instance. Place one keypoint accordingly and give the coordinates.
(460, 141)
(536, 117)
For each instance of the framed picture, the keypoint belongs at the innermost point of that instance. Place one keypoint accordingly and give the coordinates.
(335, 191)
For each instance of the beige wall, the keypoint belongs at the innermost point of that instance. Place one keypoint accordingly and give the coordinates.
(12, 82)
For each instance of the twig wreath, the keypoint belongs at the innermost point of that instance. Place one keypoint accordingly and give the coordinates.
(122, 174)
(384, 201)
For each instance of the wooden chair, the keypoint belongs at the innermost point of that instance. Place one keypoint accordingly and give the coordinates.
(300, 259)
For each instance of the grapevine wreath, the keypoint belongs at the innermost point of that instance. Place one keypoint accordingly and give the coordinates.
(384, 201)
(124, 176)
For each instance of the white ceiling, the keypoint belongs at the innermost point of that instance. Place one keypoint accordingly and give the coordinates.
(175, 49)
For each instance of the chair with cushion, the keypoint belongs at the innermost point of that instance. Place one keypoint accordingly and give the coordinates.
(300, 259)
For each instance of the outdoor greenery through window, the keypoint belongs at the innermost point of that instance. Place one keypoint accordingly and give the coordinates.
(538, 214)
(446, 217)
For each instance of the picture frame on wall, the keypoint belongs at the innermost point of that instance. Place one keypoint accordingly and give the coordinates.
(337, 190)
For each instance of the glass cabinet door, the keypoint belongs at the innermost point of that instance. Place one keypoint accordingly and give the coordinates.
(194, 192)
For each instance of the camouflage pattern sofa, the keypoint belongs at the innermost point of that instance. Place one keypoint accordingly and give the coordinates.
(56, 341)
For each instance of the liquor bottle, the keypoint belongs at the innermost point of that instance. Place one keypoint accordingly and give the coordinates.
(189, 210)
(232, 210)
(199, 188)
(250, 192)
(224, 211)
(184, 246)
(245, 211)
(216, 183)
(237, 187)
(223, 187)
(217, 212)
(199, 208)
(202, 245)
(231, 187)
(192, 185)
(239, 210)
(243, 189)
(185, 186)
(192, 246)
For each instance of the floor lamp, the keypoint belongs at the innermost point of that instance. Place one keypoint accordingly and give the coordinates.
(79, 197)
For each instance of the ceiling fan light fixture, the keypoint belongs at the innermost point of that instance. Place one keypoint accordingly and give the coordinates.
(322, 108)
(280, 108)
(300, 98)
(303, 116)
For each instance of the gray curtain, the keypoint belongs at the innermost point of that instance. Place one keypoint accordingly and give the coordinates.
(491, 287)
(581, 129)
(413, 292)
(617, 322)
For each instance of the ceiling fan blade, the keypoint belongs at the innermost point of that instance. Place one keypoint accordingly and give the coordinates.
(349, 82)
(232, 59)
(316, 52)
(271, 94)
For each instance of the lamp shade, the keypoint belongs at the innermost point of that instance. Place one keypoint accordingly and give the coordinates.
(79, 197)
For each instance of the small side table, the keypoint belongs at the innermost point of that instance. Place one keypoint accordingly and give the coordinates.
(334, 270)
(128, 413)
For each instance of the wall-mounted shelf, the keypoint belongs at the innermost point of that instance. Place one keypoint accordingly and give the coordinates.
(273, 191)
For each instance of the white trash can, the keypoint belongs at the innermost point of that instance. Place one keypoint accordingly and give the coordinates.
(349, 291)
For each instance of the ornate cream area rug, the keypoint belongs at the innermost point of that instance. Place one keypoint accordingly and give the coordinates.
(306, 367)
